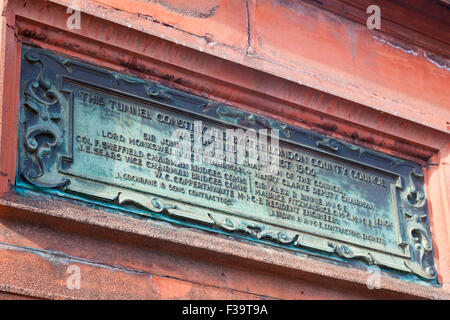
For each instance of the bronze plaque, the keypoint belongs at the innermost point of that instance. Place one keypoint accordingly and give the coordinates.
(101, 136)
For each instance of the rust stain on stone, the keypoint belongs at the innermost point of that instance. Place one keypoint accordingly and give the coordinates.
(329, 126)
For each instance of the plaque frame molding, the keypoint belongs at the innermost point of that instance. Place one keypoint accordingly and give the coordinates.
(44, 175)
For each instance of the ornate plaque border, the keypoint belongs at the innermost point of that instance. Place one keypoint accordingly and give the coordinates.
(44, 104)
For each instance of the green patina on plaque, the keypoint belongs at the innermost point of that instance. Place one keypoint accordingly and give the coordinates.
(106, 136)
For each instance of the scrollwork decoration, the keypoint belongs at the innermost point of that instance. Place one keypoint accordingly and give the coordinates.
(256, 230)
(156, 91)
(345, 252)
(153, 204)
(42, 131)
(245, 118)
(328, 144)
(419, 239)
(421, 248)
(415, 197)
